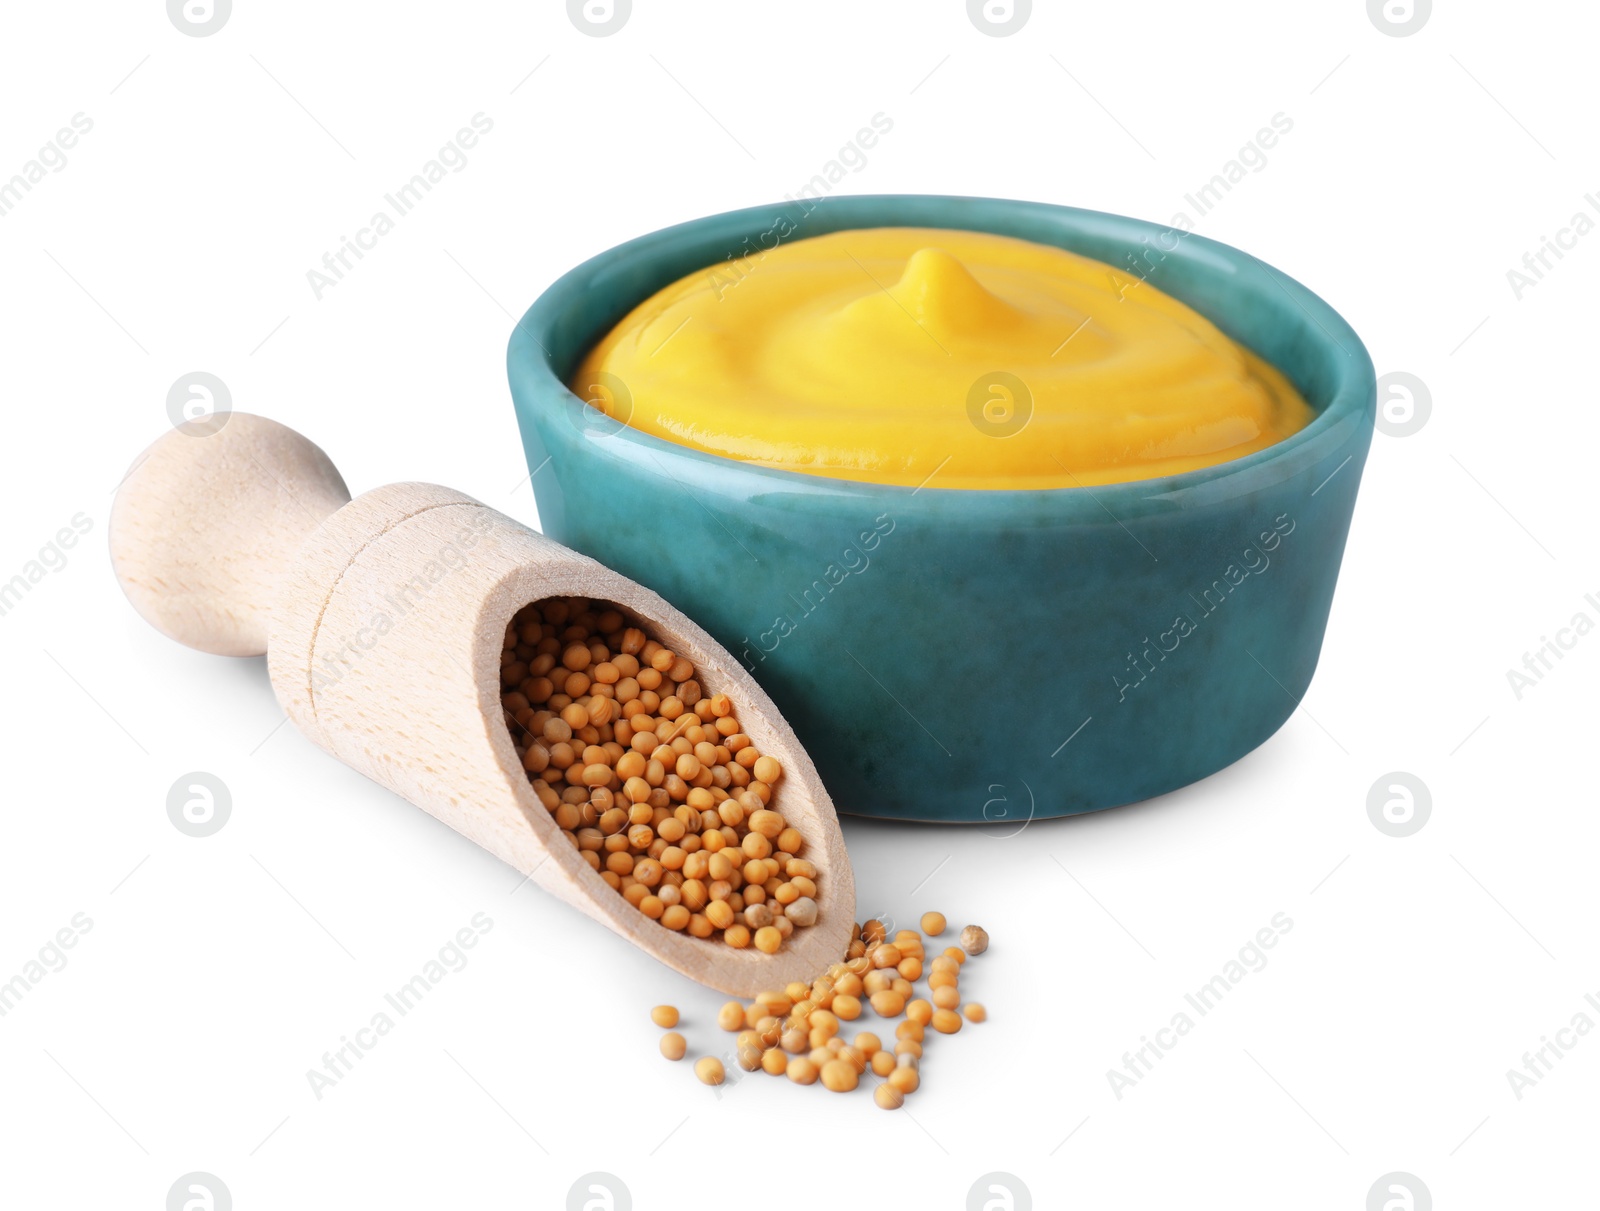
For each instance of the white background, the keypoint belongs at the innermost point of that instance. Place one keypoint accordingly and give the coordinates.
(217, 971)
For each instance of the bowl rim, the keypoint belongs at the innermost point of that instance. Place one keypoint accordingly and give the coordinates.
(1349, 409)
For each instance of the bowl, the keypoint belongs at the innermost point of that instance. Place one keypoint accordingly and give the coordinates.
(976, 656)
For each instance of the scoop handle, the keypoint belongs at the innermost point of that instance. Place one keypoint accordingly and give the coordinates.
(205, 527)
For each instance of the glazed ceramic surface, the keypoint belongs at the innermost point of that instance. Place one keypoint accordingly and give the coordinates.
(972, 656)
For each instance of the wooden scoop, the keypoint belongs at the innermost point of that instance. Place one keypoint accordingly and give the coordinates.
(383, 619)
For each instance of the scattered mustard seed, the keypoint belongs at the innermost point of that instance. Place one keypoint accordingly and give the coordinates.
(796, 1031)
(709, 1069)
(802, 1071)
(840, 1076)
(904, 1081)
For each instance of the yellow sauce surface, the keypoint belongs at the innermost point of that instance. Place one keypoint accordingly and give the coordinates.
(954, 359)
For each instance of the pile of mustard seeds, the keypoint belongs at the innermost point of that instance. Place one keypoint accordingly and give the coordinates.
(650, 779)
(799, 1032)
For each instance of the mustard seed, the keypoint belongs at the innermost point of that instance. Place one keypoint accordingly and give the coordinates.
(802, 911)
(933, 923)
(888, 1003)
(974, 940)
(904, 1081)
(768, 824)
(975, 1012)
(674, 1046)
(802, 1071)
(840, 1076)
(886, 955)
(665, 1016)
(887, 1096)
(709, 1070)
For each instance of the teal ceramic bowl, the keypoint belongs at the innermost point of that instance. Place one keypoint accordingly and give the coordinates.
(970, 656)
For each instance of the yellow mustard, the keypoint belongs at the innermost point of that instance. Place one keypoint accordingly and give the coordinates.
(954, 359)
